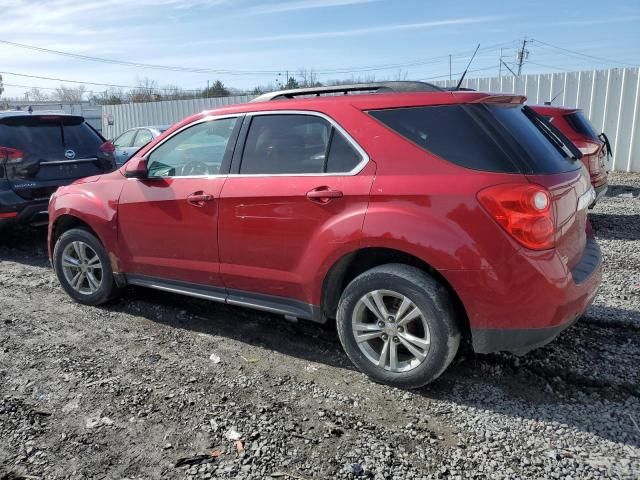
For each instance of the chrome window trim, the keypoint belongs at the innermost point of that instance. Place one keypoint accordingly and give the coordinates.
(356, 170)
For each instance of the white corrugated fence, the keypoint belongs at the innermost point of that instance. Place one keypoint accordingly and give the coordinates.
(124, 117)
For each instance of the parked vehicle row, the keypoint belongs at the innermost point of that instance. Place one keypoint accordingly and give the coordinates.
(412, 216)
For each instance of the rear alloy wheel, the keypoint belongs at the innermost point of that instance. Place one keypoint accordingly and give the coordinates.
(83, 269)
(397, 324)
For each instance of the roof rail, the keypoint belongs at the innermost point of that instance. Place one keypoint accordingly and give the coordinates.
(377, 87)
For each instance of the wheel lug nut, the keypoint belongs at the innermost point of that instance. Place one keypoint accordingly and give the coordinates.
(385, 337)
(400, 329)
(381, 324)
(390, 319)
(396, 339)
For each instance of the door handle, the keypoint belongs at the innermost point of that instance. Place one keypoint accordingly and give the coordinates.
(198, 199)
(323, 195)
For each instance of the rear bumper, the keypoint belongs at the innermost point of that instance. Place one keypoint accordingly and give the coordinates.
(601, 190)
(528, 303)
(27, 211)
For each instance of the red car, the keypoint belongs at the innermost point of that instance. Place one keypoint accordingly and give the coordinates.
(411, 215)
(595, 148)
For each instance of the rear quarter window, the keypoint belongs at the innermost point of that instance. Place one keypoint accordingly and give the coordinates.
(492, 138)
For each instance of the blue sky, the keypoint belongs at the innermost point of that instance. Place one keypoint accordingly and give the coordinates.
(253, 40)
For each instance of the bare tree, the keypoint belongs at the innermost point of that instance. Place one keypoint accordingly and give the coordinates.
(1, 85)
(35, 95)
(146, 91)
(69, 94)
(308, 78)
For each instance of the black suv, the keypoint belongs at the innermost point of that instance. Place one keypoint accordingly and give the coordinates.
(40, 152)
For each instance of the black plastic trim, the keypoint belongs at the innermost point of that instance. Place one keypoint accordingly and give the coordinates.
(590, 261)
(269, 303)
(518, 341)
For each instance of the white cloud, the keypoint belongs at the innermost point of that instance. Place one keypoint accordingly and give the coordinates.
(299, 5)
(358, 31)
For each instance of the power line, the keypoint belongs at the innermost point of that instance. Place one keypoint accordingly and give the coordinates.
(575, 52)
(366, 68)
(113, 85)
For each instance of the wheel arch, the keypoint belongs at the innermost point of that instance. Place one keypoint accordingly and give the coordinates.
(349, 266)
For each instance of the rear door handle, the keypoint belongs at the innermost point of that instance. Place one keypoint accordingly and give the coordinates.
(198, 199)
(323, 195)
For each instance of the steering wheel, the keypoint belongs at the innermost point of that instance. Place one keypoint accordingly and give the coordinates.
(194, 167)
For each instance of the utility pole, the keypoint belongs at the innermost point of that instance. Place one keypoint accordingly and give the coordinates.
(523, 54)
(206, 94)
(449, 67)
(500, 65)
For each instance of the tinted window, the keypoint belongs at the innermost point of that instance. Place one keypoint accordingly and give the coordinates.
(342, 156)
(142, 138)
(125, 139)
(492, 138)
(198, 150)
(581, 124)
(50, 136)
(291, 144)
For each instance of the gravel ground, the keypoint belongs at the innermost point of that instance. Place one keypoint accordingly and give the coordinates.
(162, 386)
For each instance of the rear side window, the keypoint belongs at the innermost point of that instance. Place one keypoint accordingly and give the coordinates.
(295, 144)
(492, 138)
(581, 124)
(49, 135)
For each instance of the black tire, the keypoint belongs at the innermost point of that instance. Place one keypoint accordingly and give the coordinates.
(107, 289)
(431, 297)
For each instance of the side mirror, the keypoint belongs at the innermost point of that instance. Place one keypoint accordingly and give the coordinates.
(136, 168)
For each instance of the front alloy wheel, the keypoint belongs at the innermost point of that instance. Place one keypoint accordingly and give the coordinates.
(82, 268)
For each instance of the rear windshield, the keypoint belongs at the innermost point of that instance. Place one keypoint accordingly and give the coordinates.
(487, 137)
(49, 135)
(581, 124)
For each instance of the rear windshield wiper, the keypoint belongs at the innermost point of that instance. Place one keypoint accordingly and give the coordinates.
(555, 136)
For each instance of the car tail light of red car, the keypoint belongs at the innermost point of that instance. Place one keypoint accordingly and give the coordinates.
(524, 211)
(107, 147)
(10, 155)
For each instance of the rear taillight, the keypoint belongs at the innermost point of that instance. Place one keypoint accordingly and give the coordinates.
(107, 147)
(10, 155)
(524, 211)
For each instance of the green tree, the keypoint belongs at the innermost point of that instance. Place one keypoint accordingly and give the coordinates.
(217, 90)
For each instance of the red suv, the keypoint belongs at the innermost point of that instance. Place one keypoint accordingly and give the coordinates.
(595, 148)
(411, 215)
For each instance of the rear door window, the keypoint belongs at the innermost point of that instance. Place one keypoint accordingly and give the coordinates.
(487, 137)
(296, 144)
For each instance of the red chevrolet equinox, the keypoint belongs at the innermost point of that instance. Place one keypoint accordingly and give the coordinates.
(412, 216)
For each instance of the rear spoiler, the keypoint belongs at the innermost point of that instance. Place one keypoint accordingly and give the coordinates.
(501, 98)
